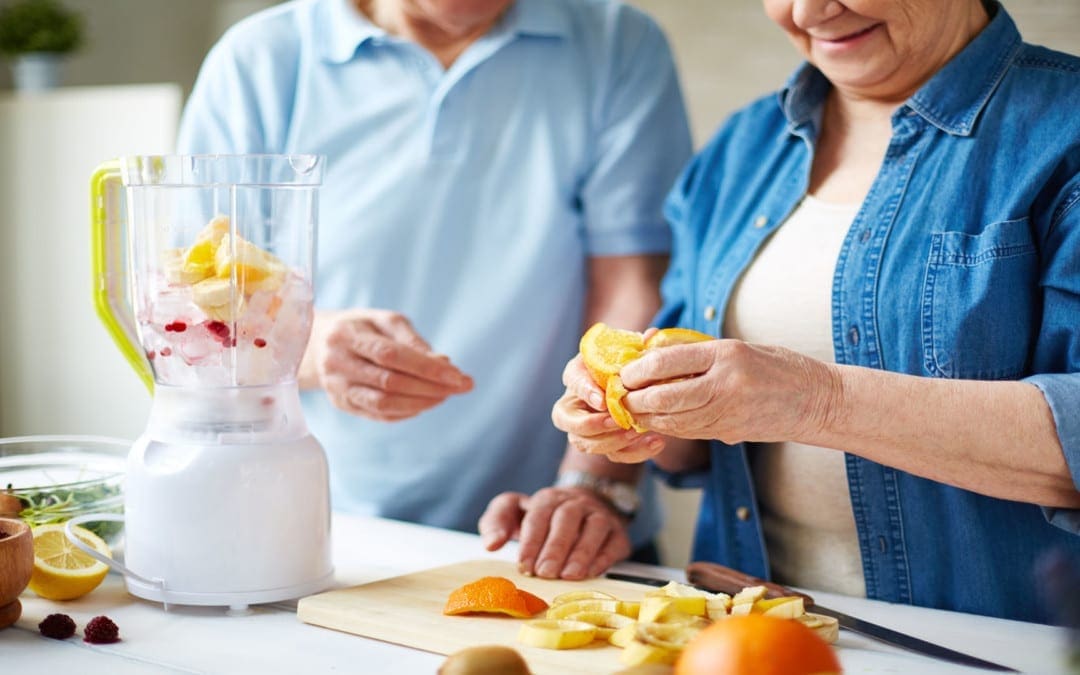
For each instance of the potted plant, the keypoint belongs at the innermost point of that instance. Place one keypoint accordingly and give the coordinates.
(36, 34)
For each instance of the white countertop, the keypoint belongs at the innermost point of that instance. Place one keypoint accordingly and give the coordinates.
(270, 639)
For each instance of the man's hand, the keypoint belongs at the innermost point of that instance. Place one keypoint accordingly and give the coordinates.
(372, 363)
(568, 533)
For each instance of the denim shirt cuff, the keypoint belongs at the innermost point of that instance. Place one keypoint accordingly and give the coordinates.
(1062, 393)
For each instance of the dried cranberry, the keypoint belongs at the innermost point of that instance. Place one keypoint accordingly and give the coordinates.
(260, 343)
(101, 630)
(57, 626)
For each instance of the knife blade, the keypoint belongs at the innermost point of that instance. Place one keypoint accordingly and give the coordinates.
(714, 577)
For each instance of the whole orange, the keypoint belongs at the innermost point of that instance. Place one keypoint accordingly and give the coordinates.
(757, 645)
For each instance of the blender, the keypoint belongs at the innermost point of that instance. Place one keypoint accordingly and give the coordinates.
(203, 276)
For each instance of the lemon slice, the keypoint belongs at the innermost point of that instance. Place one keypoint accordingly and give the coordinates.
(61, 570)
(556, 633)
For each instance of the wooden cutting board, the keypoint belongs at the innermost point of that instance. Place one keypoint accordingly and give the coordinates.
(407, 610)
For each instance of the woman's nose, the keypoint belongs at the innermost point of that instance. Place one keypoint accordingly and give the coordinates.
(809, 13)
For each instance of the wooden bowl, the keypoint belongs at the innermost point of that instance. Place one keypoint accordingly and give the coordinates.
(16, 566)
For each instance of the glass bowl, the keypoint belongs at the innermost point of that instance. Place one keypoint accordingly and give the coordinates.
(51, 479)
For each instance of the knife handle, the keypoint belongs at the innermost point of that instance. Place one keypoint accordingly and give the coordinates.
(716, 577)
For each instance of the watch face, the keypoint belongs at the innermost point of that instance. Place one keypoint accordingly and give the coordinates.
(623, 498)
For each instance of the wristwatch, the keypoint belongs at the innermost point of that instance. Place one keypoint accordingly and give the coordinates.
(621, 496)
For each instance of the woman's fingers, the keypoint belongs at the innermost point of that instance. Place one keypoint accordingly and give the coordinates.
(578, 381)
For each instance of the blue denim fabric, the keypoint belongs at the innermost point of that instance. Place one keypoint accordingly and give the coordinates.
(963, 262)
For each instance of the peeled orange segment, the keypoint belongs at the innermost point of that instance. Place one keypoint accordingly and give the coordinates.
(665, 337)
(61, 570)
(556, 633)
(605, 350)
(493, 595)
(613, 396)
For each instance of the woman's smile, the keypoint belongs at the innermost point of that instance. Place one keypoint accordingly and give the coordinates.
(847, 41)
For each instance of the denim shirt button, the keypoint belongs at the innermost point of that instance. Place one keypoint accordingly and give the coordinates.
(865, 236)
(742, 513)
(853, 335)
(760, 222)
(710, 313)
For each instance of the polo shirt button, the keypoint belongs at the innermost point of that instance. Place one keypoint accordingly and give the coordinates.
(853, 335)
(710, 313)
(761, 221)
(742, 513)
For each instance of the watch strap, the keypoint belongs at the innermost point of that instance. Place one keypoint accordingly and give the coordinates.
(621, 496)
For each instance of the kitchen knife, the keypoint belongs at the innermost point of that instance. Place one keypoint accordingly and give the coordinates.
(717, 578)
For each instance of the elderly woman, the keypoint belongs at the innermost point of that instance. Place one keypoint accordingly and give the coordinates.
(890, 250)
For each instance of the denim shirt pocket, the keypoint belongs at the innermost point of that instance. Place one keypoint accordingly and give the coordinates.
(979, 302)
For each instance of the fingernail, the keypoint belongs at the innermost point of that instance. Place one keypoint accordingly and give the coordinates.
(492, 538)
(596, 401)
(546, 569)
(454, 379)
(573, 571)
(525, 567)
(610, 423)
(656, 443)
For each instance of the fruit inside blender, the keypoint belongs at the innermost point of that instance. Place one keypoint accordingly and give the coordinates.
(224, 312)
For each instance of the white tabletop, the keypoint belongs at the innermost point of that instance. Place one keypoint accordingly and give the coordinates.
(270, 639)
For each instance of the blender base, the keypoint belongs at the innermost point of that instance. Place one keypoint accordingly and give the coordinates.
(236, 602)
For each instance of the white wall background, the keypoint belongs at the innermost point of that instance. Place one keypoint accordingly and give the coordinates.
(727, 51)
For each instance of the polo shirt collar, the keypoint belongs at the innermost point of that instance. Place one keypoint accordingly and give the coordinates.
(951, 100)
(344, 28)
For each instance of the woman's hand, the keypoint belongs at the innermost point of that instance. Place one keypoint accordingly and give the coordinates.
(566, 532)
(583, 415)
(731, 391)
(372, 363)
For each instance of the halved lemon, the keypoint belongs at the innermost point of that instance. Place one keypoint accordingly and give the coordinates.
(61, 570)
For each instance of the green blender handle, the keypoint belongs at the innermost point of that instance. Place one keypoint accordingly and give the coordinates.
(109, 271)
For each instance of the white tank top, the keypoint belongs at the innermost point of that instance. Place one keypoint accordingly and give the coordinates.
(785, 298)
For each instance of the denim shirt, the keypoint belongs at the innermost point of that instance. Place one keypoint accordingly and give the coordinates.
(963, 262)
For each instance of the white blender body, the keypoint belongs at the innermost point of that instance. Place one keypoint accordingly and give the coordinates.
(206, 288)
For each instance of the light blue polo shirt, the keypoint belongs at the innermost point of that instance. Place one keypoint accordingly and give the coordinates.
(468, 199)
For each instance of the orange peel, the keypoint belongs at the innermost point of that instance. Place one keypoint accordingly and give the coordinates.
(493, 595)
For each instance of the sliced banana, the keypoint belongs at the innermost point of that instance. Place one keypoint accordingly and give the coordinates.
(565, 609)
(606, 622)
(574, 596)
(786, 607)
(556, 633)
